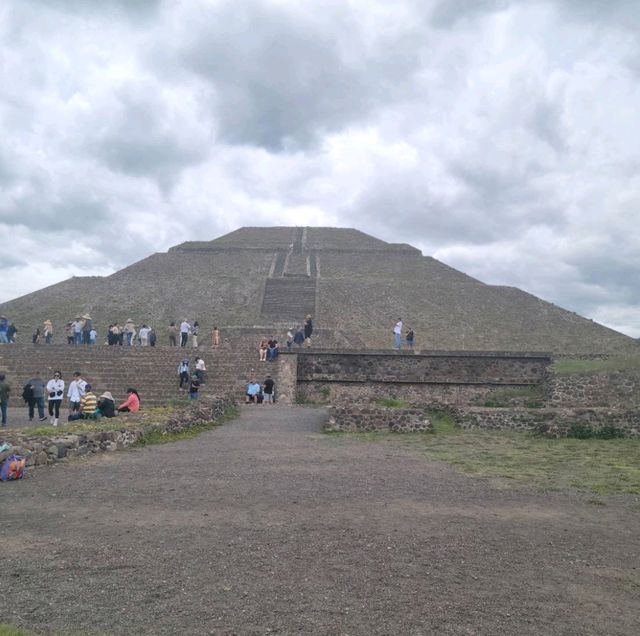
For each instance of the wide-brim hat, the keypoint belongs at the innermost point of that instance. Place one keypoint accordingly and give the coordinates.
(129, 320)
(107, 395)
(87, 317)
(47, 322)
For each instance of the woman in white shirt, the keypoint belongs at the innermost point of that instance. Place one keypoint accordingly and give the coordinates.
(55, 393)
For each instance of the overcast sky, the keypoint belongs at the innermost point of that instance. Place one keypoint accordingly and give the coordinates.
(499, 136)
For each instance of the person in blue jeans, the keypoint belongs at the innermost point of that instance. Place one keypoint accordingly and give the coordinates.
(397, 334)
(4, 327)
(5, 390)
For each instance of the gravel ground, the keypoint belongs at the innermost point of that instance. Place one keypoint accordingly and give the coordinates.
(266, 526)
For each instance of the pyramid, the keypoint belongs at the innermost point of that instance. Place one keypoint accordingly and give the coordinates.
(353, 284)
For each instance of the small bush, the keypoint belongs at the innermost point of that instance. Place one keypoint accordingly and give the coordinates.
(580, 431)
(608, 432)
(585, 431)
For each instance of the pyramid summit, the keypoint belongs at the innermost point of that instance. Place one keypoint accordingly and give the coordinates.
(355, 286)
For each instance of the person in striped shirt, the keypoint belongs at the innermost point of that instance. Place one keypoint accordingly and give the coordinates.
(88, 405)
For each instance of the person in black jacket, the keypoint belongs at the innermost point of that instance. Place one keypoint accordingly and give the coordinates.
(107, 405)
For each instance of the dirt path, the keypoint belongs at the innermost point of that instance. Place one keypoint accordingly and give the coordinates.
(267, 526)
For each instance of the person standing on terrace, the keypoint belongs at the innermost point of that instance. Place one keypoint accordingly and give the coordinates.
(397, 334)
(185, 330)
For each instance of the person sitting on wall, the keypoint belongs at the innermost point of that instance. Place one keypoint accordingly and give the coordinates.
(253, 389)
(131, 404)
(107, 405)
(272, 349)
(88, 405)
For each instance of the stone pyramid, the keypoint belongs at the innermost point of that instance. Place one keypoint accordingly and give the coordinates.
(353, 284)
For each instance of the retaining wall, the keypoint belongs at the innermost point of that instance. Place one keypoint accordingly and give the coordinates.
(368, 417)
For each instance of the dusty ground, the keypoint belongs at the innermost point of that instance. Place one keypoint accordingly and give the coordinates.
(267, 526)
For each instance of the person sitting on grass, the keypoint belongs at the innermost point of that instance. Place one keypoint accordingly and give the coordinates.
(107, 405)
(88, 406)
(131, 404)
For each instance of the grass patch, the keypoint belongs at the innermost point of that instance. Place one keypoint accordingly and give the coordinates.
(618, 363)
(79, 426)
(528, 396)
(394, 403)
(598, 466)
(156, 436)
(8, 630)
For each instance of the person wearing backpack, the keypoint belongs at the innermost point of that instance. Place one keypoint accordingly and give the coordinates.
(5, 391)
(35, 397)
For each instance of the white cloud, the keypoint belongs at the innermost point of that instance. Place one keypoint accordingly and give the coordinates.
(500, 136)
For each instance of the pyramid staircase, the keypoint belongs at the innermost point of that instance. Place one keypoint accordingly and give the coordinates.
(290, 292)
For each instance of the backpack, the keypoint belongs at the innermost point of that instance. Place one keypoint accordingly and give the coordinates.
(12, 468)
(27, 393)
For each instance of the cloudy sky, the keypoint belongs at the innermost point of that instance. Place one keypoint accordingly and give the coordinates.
(500, 136)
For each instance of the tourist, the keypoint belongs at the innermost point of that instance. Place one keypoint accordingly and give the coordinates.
(11, 332)
(68, 332)
(129, 331)
(152, 337)
(131, 404)
(47, 331)
(215, 337)
(111, 337)
(5, 391)
(194, 334)
(93, 334)
(172, 330)
(143, 334)
(4, 327)
(35, 338)
(88, 407)
(253, 389)
(264, 347)
(268, 390)
(107, 405)
(272, 349)
(289, 339)
(298, 337)
(76, 325)
(308, 330)
(409, 338)
(200, 369)
(183, 372)
(76, 390)
(35, 397)
(86, 328)
(193, 387)
(397, 334)
(185, 330)
(55, 393)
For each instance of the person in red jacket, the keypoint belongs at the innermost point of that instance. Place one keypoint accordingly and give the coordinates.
(131, 404)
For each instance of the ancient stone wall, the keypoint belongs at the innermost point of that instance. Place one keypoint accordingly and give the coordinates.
(614, 389)
(444, 368)
(359, 418)
(550, 422)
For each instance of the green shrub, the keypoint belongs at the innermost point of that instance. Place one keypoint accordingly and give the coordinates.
(608, 432)
(585, 431)
(580, 431)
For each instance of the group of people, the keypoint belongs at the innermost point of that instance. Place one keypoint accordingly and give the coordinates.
(298, 336)
(83, 403)
(192, 381)
(8, 331)
(397, 335)
(264, 393)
